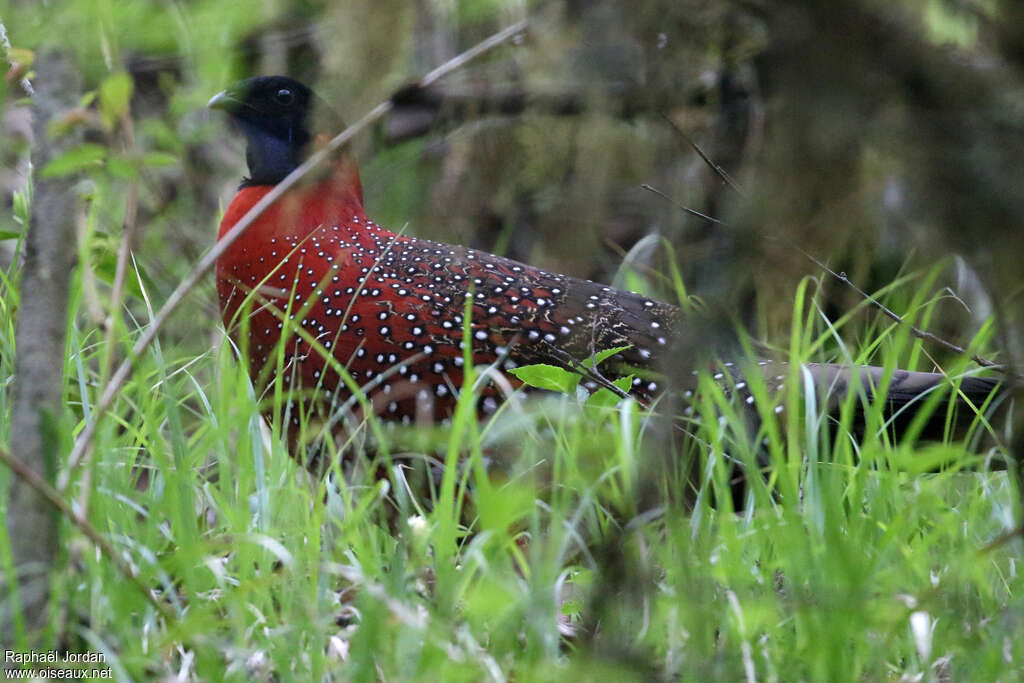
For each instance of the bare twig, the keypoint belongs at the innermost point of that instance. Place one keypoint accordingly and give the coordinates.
(692, 212)
(1002, 540)
(117, 290)
(914, 330)
(486, 45)
(82, 443)
(124, 253)
(588, 373)
(54, 498)
(721, 172)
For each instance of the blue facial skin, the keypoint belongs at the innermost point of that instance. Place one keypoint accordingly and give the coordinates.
(269, 157)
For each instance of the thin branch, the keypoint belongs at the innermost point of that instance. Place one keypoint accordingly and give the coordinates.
(82, 443)
(692, 212)
(916, 331)
(486, 45)
(128, 230)
(1002, 540)
(54, 498)
(588, 373)
(721, 172)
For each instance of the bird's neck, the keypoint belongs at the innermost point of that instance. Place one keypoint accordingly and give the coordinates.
(343, 184)
(334, 196)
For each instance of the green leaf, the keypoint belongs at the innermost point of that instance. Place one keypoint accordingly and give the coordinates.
(603, 398)
(550, 377)
(584, 578)
(21, 55)
(9, 235)
(602, 356)
(19, 204)
(120, 168)
(624, 383)
(74, 160)
(159, 159)
(104, 265)
(161, 136)
(115, 93)
(606, 398)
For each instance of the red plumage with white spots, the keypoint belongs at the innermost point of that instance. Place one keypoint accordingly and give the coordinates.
(390, 308)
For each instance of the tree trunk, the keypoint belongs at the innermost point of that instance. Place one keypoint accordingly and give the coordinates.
(49, 257)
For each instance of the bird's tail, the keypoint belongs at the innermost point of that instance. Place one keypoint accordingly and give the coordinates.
(931, 406)
(934, 404)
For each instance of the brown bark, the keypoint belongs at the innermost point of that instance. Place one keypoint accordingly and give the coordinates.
(49, 255)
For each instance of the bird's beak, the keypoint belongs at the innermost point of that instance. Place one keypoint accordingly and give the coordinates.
(222, 100)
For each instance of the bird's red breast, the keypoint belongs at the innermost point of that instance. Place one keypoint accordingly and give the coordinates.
(373, 299)
(256, 266)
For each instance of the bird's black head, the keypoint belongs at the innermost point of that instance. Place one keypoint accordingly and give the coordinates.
(279, 117)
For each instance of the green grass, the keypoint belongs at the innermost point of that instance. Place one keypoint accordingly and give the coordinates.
(555, 518)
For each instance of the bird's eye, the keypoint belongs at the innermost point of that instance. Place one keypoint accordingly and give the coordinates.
(284, 96)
